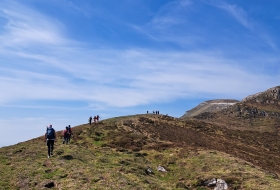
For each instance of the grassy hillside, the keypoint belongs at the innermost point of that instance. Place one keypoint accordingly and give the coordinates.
(115, 153)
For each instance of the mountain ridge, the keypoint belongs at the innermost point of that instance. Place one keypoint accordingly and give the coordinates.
(209, 106)
(260, 112)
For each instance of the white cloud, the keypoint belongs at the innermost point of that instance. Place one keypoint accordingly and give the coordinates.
(244, 19)
(170, 14)
(112, 77)
(238, 13)
(129, 78)
(27, 27)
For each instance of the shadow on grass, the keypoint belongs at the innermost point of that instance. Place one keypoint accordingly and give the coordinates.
(68, 157)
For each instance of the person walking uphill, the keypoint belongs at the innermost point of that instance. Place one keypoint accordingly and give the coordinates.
(50, 138)
(66, 135)
(70, 132)
(89, 120)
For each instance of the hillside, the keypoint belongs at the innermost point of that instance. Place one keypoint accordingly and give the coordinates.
(209, 106)
(258, 112)
(115, 153)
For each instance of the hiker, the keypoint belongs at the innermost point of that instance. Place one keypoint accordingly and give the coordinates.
(70, 132)
(89, 120)
(66, 135)
(50, 138)
(94, 119)
(97, 118)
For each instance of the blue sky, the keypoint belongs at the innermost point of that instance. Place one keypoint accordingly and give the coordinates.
(62, 61)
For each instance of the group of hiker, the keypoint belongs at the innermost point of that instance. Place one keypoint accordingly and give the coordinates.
(50, 137)
(67, 133)
(95, 119)
(154, 112)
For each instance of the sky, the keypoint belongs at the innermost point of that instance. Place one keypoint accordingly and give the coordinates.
(62, 61)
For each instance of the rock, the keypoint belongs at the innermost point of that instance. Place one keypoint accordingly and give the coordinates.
(161, 169)
(221, 185)
(149, 171)
(210, 183)
(266, 96)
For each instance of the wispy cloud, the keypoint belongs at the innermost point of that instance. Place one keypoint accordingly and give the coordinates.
(170, 24)
(131, 78)
(169, 15)
(23, 29)
(242, 17)
(238, 13)
(143, 31)
(110, 77)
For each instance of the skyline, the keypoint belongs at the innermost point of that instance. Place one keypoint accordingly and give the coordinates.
(63, 61)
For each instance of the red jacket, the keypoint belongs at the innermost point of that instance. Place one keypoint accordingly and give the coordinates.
(65, 133)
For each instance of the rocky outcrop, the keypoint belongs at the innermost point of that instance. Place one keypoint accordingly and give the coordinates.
(260, 112)
(270, 96)
(209, 106)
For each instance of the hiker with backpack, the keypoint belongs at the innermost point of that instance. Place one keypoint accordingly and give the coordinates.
(66, 135)
(50, 138)
(70, 132)
(89, 120)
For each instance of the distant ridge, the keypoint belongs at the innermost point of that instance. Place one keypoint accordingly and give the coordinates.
(209, 106)
(270, 96)
(257, 112)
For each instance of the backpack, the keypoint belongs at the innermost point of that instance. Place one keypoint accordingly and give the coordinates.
(50, 133)
(66, 132)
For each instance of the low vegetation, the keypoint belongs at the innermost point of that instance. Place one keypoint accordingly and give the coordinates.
(115, 153)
